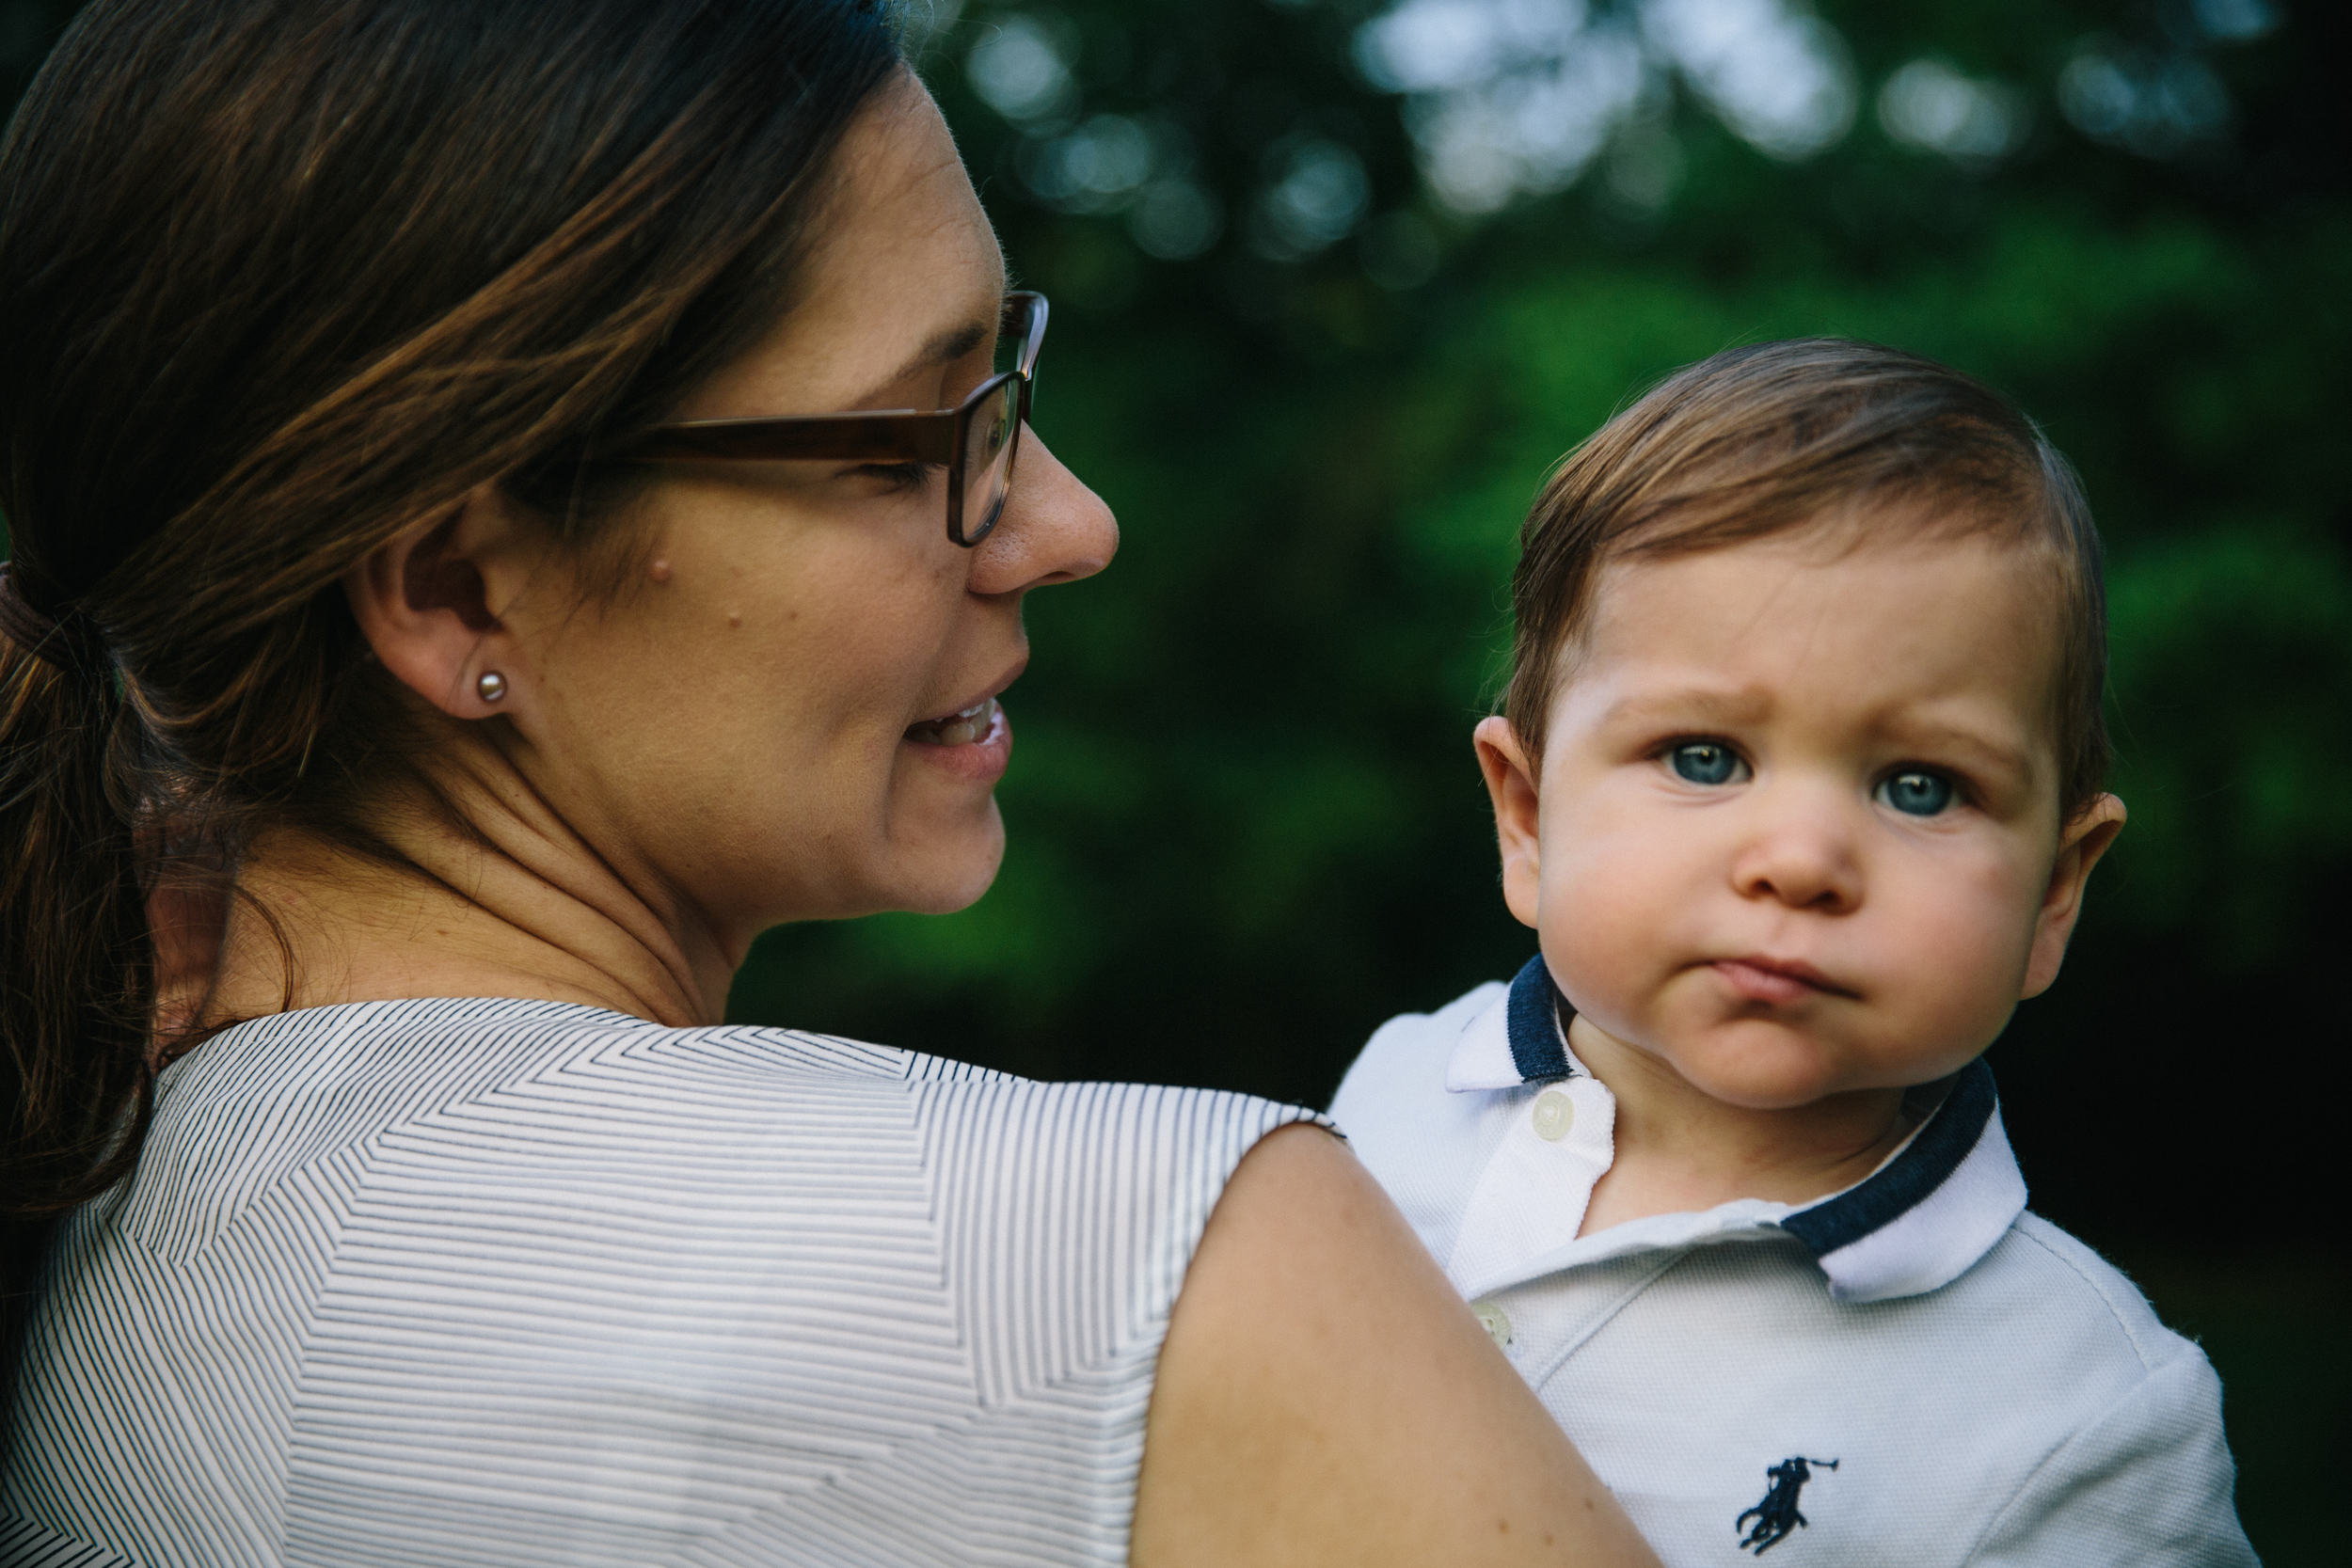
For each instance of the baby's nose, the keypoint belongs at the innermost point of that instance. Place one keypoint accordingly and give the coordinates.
(1801, 856)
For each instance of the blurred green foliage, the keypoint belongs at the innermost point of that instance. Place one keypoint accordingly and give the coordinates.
(1245, 823)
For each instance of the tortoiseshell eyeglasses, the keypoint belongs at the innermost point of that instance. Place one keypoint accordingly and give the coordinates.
(976, 442)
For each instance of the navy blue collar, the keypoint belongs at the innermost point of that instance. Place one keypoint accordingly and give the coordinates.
(1538, 1022)
(1536, 1018)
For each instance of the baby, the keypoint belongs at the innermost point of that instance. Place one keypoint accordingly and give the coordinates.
(1798, 780)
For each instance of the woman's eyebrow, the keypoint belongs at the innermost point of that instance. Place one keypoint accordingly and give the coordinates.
(941, 349)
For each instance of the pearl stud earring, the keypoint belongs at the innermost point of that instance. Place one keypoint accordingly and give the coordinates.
(492, 686)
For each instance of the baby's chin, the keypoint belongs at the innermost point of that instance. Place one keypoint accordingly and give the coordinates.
(1762, 1064)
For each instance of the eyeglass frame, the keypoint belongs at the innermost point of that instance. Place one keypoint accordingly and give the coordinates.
(883, 435)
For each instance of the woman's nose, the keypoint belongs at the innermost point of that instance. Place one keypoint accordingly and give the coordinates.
(1802, 855)
(1054, 529)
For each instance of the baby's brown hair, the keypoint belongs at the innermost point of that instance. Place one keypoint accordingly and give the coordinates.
(1775, 436)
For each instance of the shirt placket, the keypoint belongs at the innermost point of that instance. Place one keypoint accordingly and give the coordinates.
(1531, 1198)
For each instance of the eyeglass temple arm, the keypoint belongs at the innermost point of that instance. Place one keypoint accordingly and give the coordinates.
(892, 437)
(895, 435)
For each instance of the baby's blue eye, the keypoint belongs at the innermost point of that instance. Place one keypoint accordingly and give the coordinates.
(1917, 794)
(1706, 762)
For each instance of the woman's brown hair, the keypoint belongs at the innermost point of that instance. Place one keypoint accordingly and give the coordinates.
(278, 281)
(1771, 438)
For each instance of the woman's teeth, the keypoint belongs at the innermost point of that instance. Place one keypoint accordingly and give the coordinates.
(956, 729)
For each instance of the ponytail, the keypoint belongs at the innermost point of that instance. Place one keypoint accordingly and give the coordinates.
(77, 965)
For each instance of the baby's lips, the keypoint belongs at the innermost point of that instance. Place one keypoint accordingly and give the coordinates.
(1768, 979)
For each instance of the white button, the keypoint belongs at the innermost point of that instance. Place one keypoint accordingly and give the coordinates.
(1495, 1322)
(1556, 1113)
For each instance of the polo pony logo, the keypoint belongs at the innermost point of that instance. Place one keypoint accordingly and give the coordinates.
(1776, 1516)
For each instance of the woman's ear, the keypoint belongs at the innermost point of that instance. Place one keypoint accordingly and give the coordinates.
(424, 602)
(1511, 783)
(2083, 839)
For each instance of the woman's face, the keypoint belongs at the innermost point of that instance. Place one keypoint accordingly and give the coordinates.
(764, 726)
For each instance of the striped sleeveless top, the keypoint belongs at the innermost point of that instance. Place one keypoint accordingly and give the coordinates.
(515, 1283)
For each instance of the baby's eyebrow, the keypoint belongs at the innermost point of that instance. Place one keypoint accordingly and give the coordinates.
(1687, 704)
(1983, 751)
(1950, 738)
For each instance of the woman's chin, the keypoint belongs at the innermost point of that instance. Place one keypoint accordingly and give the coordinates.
(952, 869)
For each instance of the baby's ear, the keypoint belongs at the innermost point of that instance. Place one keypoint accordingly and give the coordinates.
(2084, 839)
(1511, 775)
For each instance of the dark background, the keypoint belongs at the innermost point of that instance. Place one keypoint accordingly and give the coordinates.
(1332, 292)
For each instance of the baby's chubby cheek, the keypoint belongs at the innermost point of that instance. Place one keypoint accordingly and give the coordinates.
(1950, 962)
(1934, 963)
(1615, 922)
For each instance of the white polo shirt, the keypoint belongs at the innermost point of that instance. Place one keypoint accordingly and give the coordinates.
(1911, 1371)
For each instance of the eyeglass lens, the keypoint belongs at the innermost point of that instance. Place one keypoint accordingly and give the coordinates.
(992, 433)
(989, 439)
(1014, 333)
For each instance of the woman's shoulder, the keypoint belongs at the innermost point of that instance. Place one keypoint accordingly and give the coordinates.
(799, 1267)
(357, 1068)
(469, 1094)
(428, 1049)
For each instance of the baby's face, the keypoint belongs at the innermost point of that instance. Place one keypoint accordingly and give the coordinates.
(1796, 828)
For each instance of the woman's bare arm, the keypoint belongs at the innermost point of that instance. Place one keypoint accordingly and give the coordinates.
(1326, 1398)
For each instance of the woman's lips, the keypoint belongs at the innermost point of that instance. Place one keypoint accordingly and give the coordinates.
(958, 729)
(974, 745)
(1775, 980)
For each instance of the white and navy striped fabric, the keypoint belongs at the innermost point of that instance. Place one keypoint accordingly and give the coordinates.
(518, 1283)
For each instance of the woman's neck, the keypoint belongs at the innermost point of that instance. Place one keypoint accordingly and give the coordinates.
(503, 900)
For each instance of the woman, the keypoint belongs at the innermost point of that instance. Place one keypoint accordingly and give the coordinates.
(413, 709)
